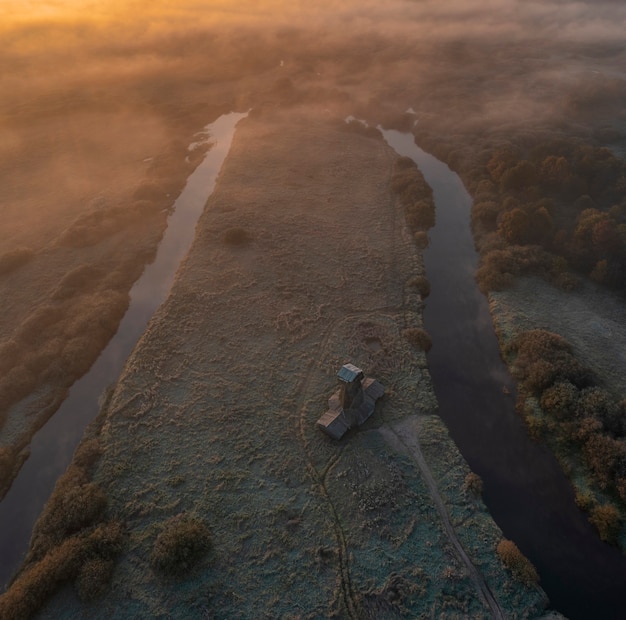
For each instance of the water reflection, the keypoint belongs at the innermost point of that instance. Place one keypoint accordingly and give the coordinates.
(524, 487)
(54, 444)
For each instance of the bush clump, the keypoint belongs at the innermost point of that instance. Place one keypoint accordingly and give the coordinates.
(606, 519)
(474, 484)
(419, 338)
(521, 567)
(543, 358)
(65, 563)
(415, 196)
(422, 284)
(236, 236)
(183, 541)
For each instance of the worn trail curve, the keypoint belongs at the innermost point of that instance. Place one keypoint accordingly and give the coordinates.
(410, 443)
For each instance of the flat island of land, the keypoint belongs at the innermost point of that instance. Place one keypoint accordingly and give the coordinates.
(302, 262)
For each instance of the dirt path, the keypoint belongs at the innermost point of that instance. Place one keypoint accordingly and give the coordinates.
(404, 437)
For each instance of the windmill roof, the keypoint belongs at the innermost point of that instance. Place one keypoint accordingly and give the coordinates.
(349, 372)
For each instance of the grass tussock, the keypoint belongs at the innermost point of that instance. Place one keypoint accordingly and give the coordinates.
(422, 284)
(82, 558)
(543, 358)
(606, 519)
(14, 259)
(473, 484)
(181, 544)
(521, 567)
(418, 338)
(236, 236)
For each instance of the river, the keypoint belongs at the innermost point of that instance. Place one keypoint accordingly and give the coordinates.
(53, 446)
(524, 488)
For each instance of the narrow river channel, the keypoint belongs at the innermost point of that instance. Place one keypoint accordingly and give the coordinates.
(524, 488)
(54, 444)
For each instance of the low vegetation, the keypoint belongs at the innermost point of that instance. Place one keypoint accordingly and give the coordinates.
(517, 562)
(583, 419)
(236, 236)
(419, 338)
(422, 284)
(415, 196)
(473, 484)
(181, 544)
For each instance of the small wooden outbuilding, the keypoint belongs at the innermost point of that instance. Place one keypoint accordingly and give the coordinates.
(352, 404)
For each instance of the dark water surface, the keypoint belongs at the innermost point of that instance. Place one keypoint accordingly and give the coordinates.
(524, 488)
(54, 444)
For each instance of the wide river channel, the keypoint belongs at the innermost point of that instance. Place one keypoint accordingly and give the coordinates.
(54, 444)
(524, 488)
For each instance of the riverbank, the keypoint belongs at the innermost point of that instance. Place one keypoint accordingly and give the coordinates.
(301, 262)
(590, 319)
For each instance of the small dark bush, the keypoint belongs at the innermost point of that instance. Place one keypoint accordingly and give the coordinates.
(498, 267)
(485, 213)
(420, 215)
(75, 505)
(419, 338)
(236, 236)
(560, 400)
(181, 544)
(422, 284)
(474, 484)
(606, 520)
(64, 563)
(517, 562)
(421, 239)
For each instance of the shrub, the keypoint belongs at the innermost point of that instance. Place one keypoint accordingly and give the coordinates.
(181, 544)
(75, 504)
(420, 215)
(236, 236)
(485, 213)
(606, 520)
(517, 562)
(422, 284)
(596, 402)
(421, 239)
(602, 454)
(474, 484)
(498, 266)
(514, 226)
(560, 400)
(13, 259)
(585, 500)
(419, 338)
